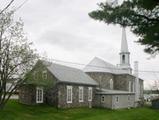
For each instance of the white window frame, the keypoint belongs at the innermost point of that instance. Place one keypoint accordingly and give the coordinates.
(90, 93)
(8, 87)
(39, 94)
(130, 86)
(44, 74)
(80, 94)
(69, 94)
(102, 98)
(133, 86)
(111, 84)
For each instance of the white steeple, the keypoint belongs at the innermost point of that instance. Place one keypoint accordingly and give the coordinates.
(124, 44)
(124, 53)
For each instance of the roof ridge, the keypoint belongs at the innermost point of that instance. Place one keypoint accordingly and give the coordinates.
(53, 63)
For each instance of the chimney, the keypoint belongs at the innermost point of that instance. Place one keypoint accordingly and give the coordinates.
(136, 74)
(136, 71)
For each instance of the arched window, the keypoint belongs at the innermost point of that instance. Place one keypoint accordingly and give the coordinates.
(130, 86)
(123, 58)
(111, 84)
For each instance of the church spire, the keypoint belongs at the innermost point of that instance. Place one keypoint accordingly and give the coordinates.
(124, 53)
(124, 44)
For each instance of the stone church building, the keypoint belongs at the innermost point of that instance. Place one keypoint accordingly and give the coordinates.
(99, 84)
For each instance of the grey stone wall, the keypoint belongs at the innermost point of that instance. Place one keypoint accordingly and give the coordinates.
(52, 96)
(27, 94)
(102, 78)
(52, 91)
(62, 96)
(56, 95)
(99, 103)
(121, 82)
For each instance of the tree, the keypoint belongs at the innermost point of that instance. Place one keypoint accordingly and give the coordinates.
(16, 55)
(7, 6)
(142, 16)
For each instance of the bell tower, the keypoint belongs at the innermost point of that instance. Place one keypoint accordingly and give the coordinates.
(124, 53)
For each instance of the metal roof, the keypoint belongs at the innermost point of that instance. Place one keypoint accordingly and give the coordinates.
(99, 65)
(112, 92)
(69, 74)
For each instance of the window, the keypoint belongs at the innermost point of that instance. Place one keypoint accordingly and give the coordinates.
(39, 95)
(117, 99)
(8, 87)
(69, 94)
(102, 99)
(129, 86)
(80, 94)
(35, 75)
(111, 84)
(44, 75)
(128, 97)
(132, 86)
(123, 58)
(89, 93)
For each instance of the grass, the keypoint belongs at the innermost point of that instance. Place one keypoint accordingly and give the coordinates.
(17, 111)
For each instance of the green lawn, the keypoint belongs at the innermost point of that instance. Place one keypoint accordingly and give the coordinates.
(16, 111)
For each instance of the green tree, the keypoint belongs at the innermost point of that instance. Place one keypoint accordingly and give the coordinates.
(142, 16)
(16, 55)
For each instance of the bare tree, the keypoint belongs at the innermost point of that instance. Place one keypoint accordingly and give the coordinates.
(16, 55)
(7, 6)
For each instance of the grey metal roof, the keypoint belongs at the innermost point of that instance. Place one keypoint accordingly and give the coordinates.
(112, 92)
(99, 65)
(69, 74)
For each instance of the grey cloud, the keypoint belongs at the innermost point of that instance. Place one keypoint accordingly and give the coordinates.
(64, 39)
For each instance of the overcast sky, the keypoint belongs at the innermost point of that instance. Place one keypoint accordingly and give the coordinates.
(62, 29)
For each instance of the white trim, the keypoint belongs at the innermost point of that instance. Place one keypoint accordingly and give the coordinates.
(111, 84)
(130, 86)
(89, 93)
(69, 94)
(80, 94)
(133, 86)
(39, 95)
